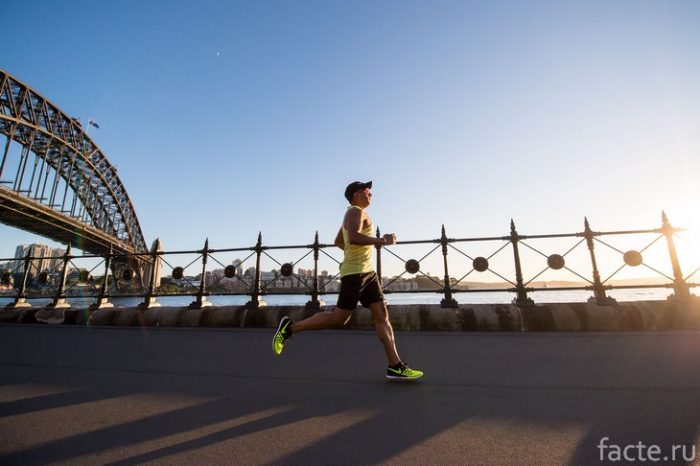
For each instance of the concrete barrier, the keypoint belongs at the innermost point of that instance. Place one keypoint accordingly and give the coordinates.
(569, 317)
(50, 316)
(9, 315)
(227, 316)
(101, 317)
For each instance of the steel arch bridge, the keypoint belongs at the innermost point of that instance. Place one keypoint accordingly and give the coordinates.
(55, 181)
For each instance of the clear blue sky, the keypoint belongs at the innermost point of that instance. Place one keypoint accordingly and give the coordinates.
(227, 118)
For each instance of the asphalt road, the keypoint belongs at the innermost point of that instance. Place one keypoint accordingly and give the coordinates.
(83, 395)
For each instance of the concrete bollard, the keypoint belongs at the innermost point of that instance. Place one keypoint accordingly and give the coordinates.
(192, 317)
(170, 316)
(228, 316)
(101, 317)
(151, 316)
(9, 315)
(50, 316)
(563, 317)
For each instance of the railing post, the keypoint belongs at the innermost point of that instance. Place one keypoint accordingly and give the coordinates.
(103, 299)
(21, 298)
(201, 300)
(521, 298)
(59, 302)
(149, 300)
(680, 287)
(599, 296)
(379, 258)
(255, 301)
(448, 300)
(315, 304)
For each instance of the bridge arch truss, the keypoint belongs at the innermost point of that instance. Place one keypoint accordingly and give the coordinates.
(55, 181)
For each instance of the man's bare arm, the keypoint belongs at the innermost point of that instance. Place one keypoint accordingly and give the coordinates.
(353, 223)
(339, 241)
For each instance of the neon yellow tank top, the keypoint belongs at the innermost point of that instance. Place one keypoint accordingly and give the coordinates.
(357, 258)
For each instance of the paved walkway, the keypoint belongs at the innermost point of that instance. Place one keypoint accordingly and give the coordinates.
(78, 395)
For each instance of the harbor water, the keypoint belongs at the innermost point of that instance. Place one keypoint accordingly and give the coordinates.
(496, 297)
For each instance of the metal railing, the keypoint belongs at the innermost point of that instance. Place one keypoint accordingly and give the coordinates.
(118, 280)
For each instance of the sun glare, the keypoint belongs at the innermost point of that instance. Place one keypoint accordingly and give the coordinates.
(688, 243)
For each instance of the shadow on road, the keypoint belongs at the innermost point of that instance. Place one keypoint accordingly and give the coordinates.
(238, 412)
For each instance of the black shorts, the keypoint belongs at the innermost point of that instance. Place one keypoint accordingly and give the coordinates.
(363, 287)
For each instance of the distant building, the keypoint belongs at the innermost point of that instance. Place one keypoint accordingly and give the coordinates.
(327, 284)
(400, 284)
(43, 254)
(20, 254)
(214, 276)
(56, 262)
(239, 267)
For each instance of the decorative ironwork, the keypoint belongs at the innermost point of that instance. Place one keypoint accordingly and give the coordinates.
(412, 266)
(632, 258)
(556, 262)
(253, 284)
(480, 264)
(287, 269)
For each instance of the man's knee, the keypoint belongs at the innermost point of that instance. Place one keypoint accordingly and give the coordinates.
(341, 316)
(380, 314)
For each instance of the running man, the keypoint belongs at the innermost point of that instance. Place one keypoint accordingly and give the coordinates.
(358, 282)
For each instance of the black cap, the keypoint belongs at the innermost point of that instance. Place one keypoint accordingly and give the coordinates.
(354, 187)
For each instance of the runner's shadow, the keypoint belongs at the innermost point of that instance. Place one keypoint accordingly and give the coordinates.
(386, 414)
(58, 400)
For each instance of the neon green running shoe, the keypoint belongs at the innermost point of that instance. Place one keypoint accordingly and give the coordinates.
(401, 371)
(282, 334)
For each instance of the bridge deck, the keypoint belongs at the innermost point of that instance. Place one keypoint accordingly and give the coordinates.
(125, 395)
(20, 212)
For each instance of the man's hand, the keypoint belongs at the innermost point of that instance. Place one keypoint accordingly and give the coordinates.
(389, 239)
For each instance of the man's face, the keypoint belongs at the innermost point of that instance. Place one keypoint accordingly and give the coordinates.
(363, 197)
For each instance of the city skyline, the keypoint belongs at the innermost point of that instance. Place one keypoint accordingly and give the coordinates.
(463, 114)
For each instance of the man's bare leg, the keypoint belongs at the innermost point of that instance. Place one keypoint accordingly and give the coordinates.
(385, 333)
(337, 318)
